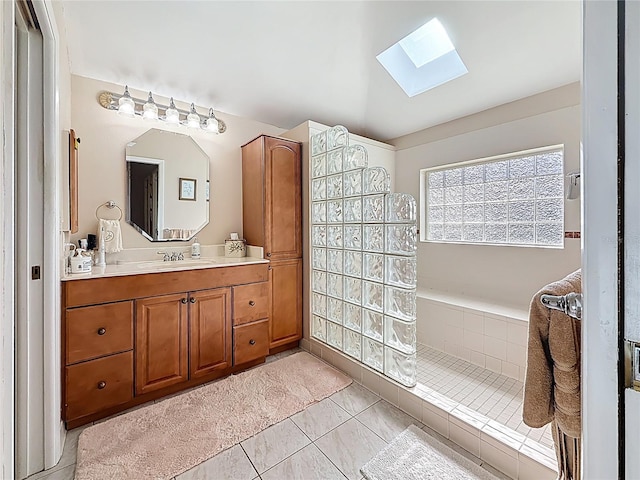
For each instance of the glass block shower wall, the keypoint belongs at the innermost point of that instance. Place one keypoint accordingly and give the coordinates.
(363, 257)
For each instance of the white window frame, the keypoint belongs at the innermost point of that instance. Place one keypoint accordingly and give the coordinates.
(507, 156)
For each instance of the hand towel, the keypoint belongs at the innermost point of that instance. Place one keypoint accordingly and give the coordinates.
(112, 235)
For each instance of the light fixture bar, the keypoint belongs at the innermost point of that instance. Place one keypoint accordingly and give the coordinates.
(110, 101)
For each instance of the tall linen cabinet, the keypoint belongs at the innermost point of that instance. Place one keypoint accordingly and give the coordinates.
(272, 219)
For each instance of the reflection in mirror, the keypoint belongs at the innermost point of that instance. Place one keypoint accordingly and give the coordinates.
(168, 186)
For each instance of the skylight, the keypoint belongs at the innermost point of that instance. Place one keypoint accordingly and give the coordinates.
(423, 59)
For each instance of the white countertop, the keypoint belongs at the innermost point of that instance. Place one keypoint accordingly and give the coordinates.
(123, 268)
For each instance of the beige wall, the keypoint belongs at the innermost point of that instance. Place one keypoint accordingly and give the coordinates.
(507, 276)
(102, 169)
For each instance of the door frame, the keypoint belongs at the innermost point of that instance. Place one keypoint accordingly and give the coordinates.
(50, 377)
(54, 431)
(7, 244)
(600, 254)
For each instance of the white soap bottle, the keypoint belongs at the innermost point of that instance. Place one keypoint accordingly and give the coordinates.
(195, 248)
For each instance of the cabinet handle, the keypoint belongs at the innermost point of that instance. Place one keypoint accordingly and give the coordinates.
(268, 254)
(184, 300)
(192, 300)
(101, 385)
(252, 342)
(251, 303)
(102, 331)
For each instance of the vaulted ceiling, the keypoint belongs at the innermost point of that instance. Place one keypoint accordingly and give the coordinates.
(284, 62)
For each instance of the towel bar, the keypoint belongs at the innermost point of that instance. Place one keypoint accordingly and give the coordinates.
(110, 205)
(571, 303)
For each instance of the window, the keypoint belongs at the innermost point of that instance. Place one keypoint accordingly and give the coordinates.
(514, 199)
(424, 59)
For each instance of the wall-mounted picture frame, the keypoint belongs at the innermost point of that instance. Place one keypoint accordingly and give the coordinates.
(187, 189)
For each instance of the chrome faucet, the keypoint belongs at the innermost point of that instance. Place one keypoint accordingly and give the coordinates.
(166, 257)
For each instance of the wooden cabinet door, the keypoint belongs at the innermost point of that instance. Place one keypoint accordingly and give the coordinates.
(283, 202)
(161, 342)
(285, 322)
(210, 331)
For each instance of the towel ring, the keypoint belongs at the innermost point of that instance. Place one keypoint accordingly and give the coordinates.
(110, 205)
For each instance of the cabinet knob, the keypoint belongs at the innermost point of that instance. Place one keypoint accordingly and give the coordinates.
(102, 331)
(192, 300)
(268, 254)
(251, 303)
(101, 385)
(184, 300)
(252, 342)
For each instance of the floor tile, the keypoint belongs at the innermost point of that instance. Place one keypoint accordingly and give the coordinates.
(355, 398)
(386, 420)
(318, 419)
(274, 444)
(232, 464)
(350, 446)
(307, 464)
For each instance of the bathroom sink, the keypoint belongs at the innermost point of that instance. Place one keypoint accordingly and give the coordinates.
(160, 264)
(175, 264)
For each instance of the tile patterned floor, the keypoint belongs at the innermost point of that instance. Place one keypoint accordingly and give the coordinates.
(331, 439)
(491, 394)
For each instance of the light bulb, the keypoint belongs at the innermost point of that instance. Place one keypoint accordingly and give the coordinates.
(193, 119)
(126, 106)
(212, 122)
(171, 115)
(150, 109)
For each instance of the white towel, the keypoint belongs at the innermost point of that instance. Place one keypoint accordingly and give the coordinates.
(112, 235)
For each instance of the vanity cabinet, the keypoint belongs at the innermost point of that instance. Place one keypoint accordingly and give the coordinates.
(286, 302)
(161, 342)
(272, 219)
(135, 338)
(209, 331)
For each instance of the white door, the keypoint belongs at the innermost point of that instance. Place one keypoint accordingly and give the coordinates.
(632, 234)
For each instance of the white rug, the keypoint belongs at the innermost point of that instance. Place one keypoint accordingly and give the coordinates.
(416, 455)
(167, 438)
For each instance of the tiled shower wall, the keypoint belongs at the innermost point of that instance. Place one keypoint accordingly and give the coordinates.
(363, 258)
(495, 342)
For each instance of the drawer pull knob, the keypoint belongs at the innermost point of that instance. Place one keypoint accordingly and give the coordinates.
(192, 300)
(268, 254)
(102, 331)
(251, 303)
(252, 342)
(101, 385)
(184, 300)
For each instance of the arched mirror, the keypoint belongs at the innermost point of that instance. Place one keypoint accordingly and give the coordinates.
(168, 186)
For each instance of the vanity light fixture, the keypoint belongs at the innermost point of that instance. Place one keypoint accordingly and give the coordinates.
(212, 122)
(126, 105)
(193, 119)
(148, 109)
(171, 114)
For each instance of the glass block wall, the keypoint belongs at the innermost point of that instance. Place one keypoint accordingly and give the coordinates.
(363, 258)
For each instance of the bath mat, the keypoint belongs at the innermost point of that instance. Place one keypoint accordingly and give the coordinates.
(416, 455)
(167, 438)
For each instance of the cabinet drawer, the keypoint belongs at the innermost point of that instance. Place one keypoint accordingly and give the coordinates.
(93, 332)
(99, 384)
(250, 341)
(250, 302)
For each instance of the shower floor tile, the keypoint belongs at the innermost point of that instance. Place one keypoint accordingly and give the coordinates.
(494, 395)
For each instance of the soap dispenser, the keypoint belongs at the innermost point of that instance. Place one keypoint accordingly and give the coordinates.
(195, 248)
